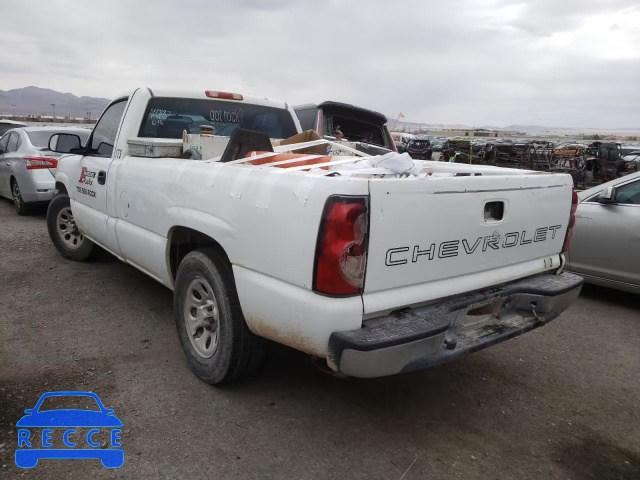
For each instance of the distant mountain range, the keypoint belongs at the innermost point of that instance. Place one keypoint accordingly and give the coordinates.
(37, 101)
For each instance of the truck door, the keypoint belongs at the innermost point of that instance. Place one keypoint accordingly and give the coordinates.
(89, 189)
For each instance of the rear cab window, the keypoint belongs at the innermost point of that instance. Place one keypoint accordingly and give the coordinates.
(169, 117)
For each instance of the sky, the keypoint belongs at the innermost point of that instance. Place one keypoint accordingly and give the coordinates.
(557, 63)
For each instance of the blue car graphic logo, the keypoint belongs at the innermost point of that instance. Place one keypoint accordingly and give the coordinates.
(32, 447)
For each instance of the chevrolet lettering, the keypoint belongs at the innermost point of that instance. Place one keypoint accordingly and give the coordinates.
(451, 248)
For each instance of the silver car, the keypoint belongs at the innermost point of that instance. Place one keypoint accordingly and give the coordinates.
(28, 167)
(605, 247)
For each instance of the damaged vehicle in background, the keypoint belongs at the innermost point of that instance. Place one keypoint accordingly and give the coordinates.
(366, 129)
(420, 148)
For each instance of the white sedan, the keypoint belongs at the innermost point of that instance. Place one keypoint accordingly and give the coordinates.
(28, 166)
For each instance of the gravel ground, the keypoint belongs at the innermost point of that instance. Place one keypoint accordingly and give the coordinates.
(560, 402)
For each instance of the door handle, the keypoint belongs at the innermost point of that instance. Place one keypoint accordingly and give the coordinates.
(102, 177)
(8, 164)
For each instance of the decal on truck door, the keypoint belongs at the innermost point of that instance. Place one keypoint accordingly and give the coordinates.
(87, 176)
(452, 248)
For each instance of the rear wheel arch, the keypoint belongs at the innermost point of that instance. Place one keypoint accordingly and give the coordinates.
(61, 188)
(182, 240)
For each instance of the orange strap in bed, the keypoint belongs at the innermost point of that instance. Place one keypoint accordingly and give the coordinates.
(289, 156)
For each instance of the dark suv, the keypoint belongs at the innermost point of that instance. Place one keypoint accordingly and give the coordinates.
(367, 128)
(420, 148)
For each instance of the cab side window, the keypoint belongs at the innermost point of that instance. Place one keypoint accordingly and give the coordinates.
(104, 133)
(629, 193)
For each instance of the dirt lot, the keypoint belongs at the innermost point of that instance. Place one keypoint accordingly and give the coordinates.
(560, 402)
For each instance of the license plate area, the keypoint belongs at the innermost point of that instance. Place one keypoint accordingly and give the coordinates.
(489, 317)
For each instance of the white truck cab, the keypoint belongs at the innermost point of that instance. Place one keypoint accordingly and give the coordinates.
(373, 271)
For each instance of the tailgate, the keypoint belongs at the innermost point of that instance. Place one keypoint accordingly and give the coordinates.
(432, 238)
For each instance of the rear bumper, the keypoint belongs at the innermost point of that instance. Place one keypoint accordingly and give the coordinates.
(412, 339)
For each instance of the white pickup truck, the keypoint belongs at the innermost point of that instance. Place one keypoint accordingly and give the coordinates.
(372, 271)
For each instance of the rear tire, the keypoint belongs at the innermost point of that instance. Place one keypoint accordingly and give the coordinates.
(215, 338)
(18, 202)
(64, 233)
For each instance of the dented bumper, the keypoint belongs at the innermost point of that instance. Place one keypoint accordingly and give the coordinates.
(411, 339)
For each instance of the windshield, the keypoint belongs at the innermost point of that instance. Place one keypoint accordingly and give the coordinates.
(40, 139)
(168, 117)
(66, 402)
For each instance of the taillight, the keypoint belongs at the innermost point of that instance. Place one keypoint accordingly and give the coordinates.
(341, 251)
(572, 221)
(34, 163)
(223, 95)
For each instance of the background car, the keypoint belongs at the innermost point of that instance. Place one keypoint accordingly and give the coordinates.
(437, 143)
(9, 124)
(401, 140)
(420, 148)
(632, 162)
(605, 247)
(28, 167)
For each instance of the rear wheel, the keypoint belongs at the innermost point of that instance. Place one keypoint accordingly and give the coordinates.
(64, 233)
(218, 344)
(16, 195)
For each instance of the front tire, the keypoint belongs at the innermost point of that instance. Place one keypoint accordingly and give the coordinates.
(215, 338)
(64, 233)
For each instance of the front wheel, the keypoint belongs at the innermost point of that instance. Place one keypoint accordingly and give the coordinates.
(64, 233)
(214, 336)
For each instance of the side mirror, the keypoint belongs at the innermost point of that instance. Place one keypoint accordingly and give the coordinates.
(64, 143)
(607, 195)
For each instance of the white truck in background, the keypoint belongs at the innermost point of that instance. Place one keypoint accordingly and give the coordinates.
(373, 271)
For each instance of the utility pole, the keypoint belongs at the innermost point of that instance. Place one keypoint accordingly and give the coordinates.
(53, 110)
(14, 109)
(89, 115)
